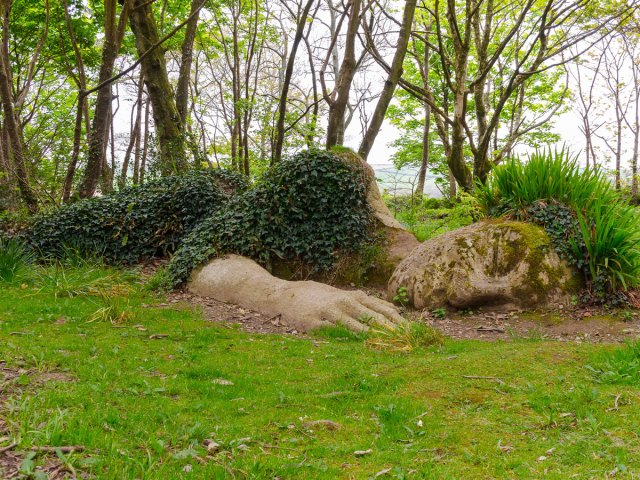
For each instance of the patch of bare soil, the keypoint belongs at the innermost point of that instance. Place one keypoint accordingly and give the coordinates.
(593, 325)
(220, 312)
(12, 457)
(580, 325)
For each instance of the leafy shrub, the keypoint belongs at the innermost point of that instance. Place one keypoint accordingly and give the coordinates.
(591, 224)
(620, 366)
(306, 208)
(14, 259)
(137, 222)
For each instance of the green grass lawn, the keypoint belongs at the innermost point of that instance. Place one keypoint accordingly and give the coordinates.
(143, 407)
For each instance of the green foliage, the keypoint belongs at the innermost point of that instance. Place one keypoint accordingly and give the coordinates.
(620, 366)
(429, 217)
(546, 175)
(137, 222)
(563, 227)
(401, 296)
(14, 259)
(159, 281)
(611, 234)
(591, 224)
(439, 313)
(112, 309)
(307, 208)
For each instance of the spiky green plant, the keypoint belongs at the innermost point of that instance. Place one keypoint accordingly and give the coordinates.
(14, 258)
(611, 236)
(404, 337)
(552, 175)
(607, 225)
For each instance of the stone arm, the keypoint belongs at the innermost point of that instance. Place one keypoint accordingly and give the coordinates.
(305, 305)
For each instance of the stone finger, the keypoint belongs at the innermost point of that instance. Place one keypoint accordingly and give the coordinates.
(383, 308)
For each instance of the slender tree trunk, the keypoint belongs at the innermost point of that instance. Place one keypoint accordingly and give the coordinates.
(182, 88)
(82, 110)
(453, 186)
(424, 164)
(7, 200)
(168, 124)
(145, 145)
(338, 105)
(392, 81)
(106, 179)
(96, 155)
(75, 154)
(282, 106)
(14, 132)
(135, 134)
(138, 151)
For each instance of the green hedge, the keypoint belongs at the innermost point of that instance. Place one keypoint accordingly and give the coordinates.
(138, 222)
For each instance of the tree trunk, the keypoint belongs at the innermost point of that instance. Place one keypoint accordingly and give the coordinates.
(453, 188)
(14, 133)
(392, 81)
(145, 145)
(168, 124)
(282, 106)
(96, 155)
(135, 134)
(77, 138)
(426, 132)
(338, 105)
(182, 88)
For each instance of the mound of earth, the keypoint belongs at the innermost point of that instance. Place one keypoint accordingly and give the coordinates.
(486, 264)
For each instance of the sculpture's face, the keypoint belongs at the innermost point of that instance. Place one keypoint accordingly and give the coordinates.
(485, 264)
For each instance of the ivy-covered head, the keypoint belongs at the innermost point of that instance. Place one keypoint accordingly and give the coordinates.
(307, 208)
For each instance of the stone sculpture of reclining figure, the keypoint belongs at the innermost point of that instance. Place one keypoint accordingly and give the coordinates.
(305, 305)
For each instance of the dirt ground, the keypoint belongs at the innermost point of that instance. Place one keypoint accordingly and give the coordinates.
(576, 325)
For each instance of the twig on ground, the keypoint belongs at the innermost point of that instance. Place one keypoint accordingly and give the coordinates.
(9, 447)
(67, 449)
(615, 407)
(490, 329)
(478, 377)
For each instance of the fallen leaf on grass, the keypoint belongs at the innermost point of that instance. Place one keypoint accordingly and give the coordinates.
(222, 381)
(328, 424)
(362, 453)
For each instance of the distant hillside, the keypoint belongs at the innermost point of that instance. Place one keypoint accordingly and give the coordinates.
(402, 181)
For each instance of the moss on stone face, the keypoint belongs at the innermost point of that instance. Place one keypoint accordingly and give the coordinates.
(488, 263)
(541, 276)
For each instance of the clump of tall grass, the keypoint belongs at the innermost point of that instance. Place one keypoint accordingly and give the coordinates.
(607, 226)
(14, 260)
(65, 280)
(552, 175)
(111, 308)
(619, 366)
(403, 337)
